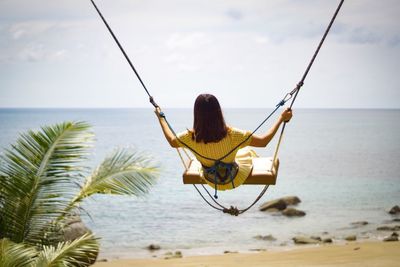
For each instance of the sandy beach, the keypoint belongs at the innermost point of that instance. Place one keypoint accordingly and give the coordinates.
(366, 254)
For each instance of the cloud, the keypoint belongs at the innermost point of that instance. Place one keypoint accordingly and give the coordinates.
(192, 40)
(362, 36)
(37, 52)
(47, 40)
(58, 55)
(180, 48)
(394, 40)
(260, 39)
(17, 33)
(174, 58)
(30, 28)
(234, 14)
(32, 53)
(222, 46)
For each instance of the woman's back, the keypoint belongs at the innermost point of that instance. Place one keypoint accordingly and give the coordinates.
(216, 150)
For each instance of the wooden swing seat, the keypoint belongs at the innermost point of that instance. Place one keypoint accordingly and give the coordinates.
(263, 172)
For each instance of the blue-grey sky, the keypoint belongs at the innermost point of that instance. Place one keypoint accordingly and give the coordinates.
(58, 53)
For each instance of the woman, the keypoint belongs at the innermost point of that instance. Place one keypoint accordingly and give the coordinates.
(212, 139)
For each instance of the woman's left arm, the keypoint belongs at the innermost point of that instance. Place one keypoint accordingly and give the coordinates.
(166, 130)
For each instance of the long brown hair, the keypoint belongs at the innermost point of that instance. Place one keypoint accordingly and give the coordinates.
(209, 124)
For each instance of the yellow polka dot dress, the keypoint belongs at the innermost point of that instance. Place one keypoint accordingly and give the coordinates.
(242, 155)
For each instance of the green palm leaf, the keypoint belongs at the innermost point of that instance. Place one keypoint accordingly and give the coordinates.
(12, 254)
(80, 252)
(37, 176)
(38, 181)
(122, 173)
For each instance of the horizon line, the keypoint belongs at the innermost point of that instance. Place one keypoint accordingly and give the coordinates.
(89, 108)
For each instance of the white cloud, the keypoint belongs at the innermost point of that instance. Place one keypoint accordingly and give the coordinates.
(188, 67)
(30, 28)
(37, 52)
(229, 46)
(394, 40)
(261, 39)
(234, 14)
(192, 40)
(58, 55)
(174, 58)
(31, 52)
(16, 34)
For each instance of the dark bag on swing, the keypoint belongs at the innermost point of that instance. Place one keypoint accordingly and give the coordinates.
(221, 173)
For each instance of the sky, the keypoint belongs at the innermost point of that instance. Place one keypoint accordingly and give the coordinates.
(59, 54)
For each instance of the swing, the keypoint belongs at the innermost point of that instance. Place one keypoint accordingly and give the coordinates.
(264, 171)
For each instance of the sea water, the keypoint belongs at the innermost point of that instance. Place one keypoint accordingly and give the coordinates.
(344, 165)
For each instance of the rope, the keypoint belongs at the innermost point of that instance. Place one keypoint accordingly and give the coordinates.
(183, 161)
(231, 210)
(211, 205)
(256, 200)
(296, 90)
(126, 56)
(300, 84)
(186, 153)
(234, 211)
(277, 148)
(209, 194)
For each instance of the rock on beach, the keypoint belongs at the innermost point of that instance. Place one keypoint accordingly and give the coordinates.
(265, 237)
(291, 200)
(75, 228)
(153, 247)
(393, 237)
(388, 228)
(360, 223)
(302, 240)
(280, 203)
(351, 238)
(395, 210)
(170, 255)
(292, 212)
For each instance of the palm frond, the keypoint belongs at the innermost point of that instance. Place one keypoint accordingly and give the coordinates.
(80, 252)
(2, 181)
(39, 171)
(13, 254)
(122, 173)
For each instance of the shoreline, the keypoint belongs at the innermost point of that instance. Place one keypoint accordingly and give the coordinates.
(368, 253)
(147, 254)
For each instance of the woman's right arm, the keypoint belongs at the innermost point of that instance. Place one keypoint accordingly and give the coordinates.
(263, 140)
(166, 130)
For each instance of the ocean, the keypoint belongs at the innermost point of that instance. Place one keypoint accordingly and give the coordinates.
(344, 165)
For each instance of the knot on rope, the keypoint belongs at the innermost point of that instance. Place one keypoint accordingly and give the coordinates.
(151, 99)
(232, 211)
(281, 103)
(300, 84)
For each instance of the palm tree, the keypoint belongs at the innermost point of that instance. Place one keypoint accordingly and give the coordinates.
(38, 192)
